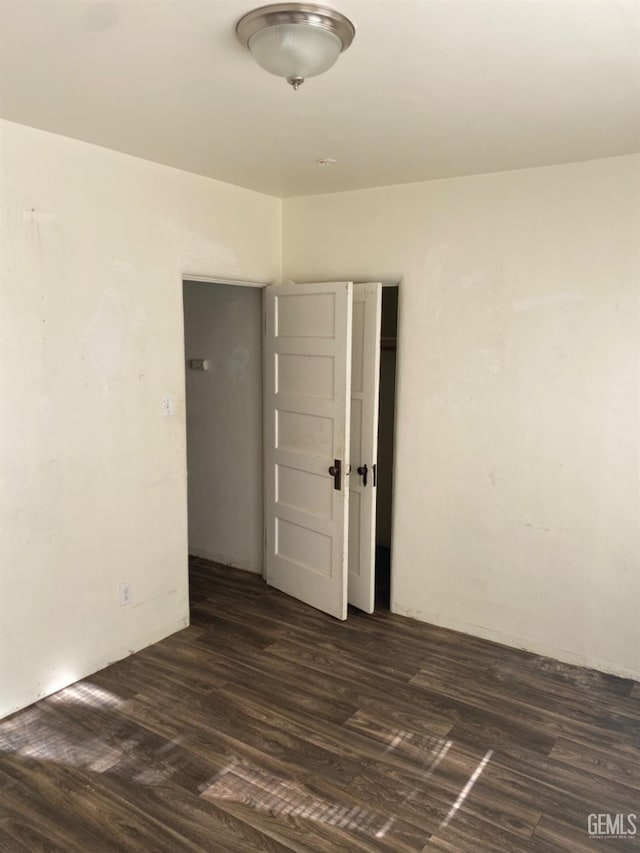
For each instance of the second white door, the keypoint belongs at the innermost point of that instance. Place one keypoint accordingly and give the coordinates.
(365, 388)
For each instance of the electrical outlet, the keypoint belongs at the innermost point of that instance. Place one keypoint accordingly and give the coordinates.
(125, 594)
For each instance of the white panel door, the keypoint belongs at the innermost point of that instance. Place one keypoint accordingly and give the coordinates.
(307, 358)
(365, 388)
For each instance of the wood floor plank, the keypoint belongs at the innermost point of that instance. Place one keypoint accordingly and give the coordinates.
(331, 659)
(577, 701)
(272, 677)
(339, 822)
(310, 729)
(225, 731)
(269, 726)
(553, 719)
(390, 826)
(202, 823)
(554, 788)
(445, 788)
(467, 834)
(136, 673)
(547, 771)
(144, 757)
(78, 814)
(598, 761)
(492, 721)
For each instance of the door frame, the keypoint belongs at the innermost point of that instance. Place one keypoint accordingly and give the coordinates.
(186, 277)
(234, 282)
(214, 279)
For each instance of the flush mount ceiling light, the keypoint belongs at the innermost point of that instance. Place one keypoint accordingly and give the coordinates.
(295, 40)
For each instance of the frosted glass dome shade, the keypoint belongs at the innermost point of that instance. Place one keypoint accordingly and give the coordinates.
(295, 50)
(295, 40)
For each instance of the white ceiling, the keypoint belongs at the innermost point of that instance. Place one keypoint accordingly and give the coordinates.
(428, 89)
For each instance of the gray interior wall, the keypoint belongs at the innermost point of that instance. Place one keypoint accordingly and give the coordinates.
(224, 423)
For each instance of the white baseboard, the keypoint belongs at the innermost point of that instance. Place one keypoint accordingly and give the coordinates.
(224, 559)
(559, 654)
(84, 669)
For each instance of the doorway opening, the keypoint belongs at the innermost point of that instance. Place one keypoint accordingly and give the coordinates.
(386, 428)
(223, 393)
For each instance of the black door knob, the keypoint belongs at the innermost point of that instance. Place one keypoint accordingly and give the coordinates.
(336, 472)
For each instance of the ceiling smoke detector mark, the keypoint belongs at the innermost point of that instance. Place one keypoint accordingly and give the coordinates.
(326, 161)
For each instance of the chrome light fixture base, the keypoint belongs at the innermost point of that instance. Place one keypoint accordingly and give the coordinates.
(295, 40)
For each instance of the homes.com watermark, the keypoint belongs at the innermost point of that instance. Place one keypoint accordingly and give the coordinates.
(607, 825)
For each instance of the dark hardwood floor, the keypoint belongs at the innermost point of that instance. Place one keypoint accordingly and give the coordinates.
(266, 725)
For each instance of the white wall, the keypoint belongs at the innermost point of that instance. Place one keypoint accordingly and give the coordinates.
(223, 324)
(516, 511)
(94, 247)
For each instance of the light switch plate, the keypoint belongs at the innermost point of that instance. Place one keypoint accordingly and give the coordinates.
(168, 406)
